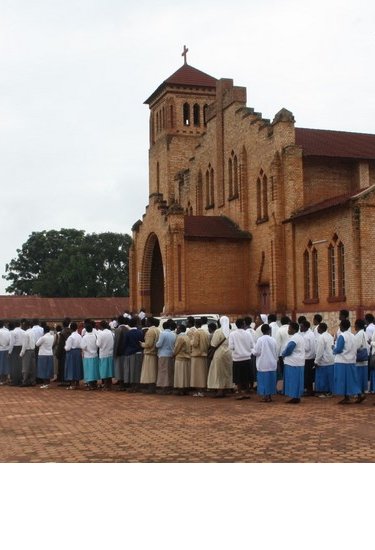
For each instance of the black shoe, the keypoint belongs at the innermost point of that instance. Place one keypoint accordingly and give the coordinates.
(294, 401)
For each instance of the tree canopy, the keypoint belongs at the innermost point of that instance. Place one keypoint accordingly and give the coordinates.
(71, 263)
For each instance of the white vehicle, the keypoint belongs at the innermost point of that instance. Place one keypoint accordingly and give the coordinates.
(183, 319)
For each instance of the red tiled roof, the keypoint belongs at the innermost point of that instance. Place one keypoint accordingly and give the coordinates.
(29, 307)
(331, 143)
(323, 205)
(185, 76)
(212, 227)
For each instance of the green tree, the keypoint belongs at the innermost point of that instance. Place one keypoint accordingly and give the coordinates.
(70, 263)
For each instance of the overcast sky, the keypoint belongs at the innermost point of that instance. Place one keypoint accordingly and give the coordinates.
(75, 73)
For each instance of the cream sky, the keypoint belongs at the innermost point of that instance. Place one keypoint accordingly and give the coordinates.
(74, 75)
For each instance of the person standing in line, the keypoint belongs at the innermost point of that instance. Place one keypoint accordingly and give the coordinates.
(260, 320)
(149, 372)
(317, 319)
(253, 369)
(104, 342)
(220, 374)
(61, 353)
(45, 357)
(272, 321)
(119, 351)
(361, 358)
(16, 339)
(265, 351)
(73, 363)
(133, 355)
(370, 326)
(198, 366)
(182, 351)
(190, 327)
(4, 353)
(294, 364)
(343, 316)
(345, 371)
(165, 347)
(241, 343)
(309, 373)
(282, 339)
(204, 321)
(28, 356)
(90, 360)
(324, 361)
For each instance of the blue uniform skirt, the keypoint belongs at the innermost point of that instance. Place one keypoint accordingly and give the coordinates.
(294, 381)
(345, 380)
(362, 371)
(4, 363)
(91, 369)
(372, 380)
(106, 367)
(266, 382)
(73, 365)
(324, 378)
(44, 369)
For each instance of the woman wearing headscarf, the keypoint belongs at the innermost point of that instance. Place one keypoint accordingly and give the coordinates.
(220, 375)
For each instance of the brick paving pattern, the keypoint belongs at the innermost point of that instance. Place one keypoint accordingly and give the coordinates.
(56, 425)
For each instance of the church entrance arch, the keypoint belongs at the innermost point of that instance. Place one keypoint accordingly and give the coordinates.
(153, 276)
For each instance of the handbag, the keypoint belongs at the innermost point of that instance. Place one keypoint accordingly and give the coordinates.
(362, 353)
(211, 352)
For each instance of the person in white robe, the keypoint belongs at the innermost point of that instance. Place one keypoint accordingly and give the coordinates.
(220, 377)
(265, 351)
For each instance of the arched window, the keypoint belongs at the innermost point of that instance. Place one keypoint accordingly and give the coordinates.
(262, 198)
(171, 114)
(199, 197)
(205, 109)
(230, 177)
(157, 178)
(336, 270)
(196, 114)
(306, 274)
(310, 274)
(235, 176)
(186, 114)
(207, 189)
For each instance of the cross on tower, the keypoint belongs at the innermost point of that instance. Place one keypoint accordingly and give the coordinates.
(184, 54)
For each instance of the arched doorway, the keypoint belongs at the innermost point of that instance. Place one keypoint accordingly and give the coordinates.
(156, 281)
(152, 279)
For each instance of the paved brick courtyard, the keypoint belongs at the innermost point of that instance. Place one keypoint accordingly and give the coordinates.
(56, 425)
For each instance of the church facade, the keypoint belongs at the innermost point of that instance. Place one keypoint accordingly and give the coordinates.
(247, 214)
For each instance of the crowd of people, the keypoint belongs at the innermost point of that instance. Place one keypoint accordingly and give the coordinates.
(134, 353)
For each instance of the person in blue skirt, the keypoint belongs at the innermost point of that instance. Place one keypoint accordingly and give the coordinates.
(265, 351)
(294, 364)
(89, 348)
(105, 341)
(73, 363)
(345, 381)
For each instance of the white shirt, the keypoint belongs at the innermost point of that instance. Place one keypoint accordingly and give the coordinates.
(265, 351)
(297, 357)
(104, 342)
(28, 342)
(88, 345)
(274, 329)
(282, 338)
(38, 332)
(4, 339)
(370, 331)
(240, 343)
(73, 341)
(309, 339)
(45, 343)
(324, 346)
(16, 338)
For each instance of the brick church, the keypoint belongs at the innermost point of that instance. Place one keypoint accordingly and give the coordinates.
(250, 215)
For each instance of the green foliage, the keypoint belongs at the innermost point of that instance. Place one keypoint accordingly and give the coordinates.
(69, 263)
